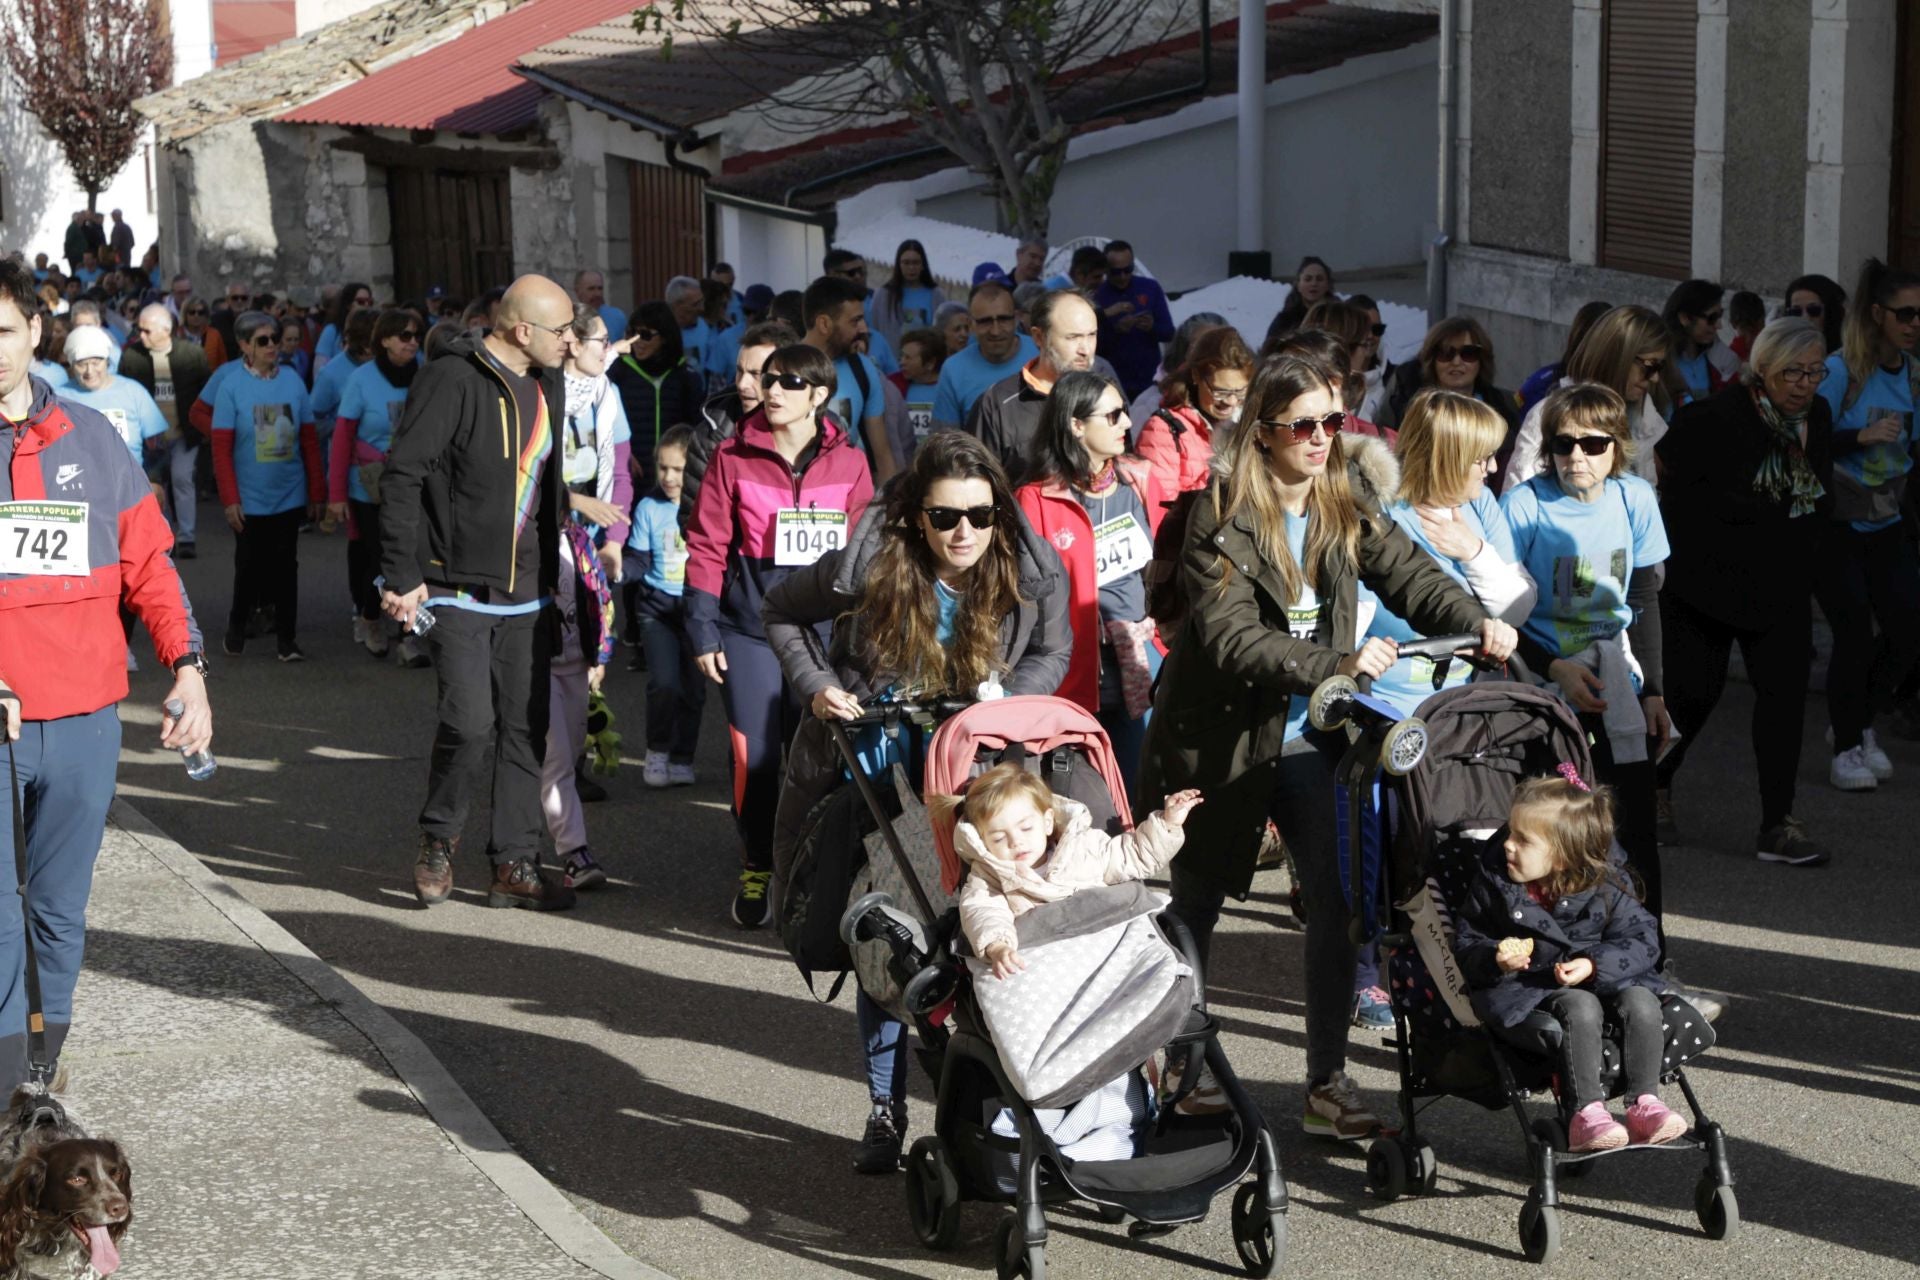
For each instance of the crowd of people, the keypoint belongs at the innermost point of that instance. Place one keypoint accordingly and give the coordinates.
(816, 498)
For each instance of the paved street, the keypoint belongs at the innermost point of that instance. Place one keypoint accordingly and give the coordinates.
(673, 1078)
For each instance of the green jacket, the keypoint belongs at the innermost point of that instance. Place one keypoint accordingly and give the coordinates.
(1220, 712)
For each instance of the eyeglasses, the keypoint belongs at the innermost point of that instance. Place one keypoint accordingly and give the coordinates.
(1905, 315)
(946, 519)
(1799, 375)
(1469, 352)
(1651, 368)
(1303, 428)
(1112, 416)
(557, 330)
(1812, 311)
(1225, 397)
(645, 334)
(1592, 446)
(786, 381)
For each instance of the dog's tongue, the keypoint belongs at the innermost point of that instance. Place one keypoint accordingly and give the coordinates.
(101, 1251)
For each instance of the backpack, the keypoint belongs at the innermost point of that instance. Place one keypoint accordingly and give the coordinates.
(1167, 602)
(831, 853)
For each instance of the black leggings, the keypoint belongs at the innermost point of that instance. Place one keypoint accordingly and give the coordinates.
(1777, 659)
(1867, 579)
(1583, 1015)
(363, 559)
(266, 570)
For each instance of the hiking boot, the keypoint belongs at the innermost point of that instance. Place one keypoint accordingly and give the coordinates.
(750, 903)
(1788, 842)
(1650, 1122)
(433, 870)
(1592, 1129)
(578, 870)
(1850, 771)
(879, 1150)
(1373, 1009)
(653, 771)
(1665, 829)
(520, 884)
(1334, 1110)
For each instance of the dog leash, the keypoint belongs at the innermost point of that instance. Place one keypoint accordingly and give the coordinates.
(40, 1071)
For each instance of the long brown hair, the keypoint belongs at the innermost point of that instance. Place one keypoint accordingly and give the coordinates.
(1577, 824)
(899, 610)
(1333, 529)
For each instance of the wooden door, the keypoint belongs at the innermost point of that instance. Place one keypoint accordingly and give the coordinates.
(453, 229)
(669, 226)
(1903, 235)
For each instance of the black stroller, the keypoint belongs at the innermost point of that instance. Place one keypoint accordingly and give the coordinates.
(1453, 769)
(1184, 1161)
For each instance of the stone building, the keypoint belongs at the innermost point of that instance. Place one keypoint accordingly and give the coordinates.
(1610, 148)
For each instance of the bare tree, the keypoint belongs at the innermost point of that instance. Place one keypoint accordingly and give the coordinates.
(984, 79)
(80, 65)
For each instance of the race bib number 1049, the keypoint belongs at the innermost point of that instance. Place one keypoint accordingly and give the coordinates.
(44, 539)
(802, 535)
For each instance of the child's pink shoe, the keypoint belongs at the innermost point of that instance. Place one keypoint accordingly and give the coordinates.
(1592, 1129)
(1650, 1122)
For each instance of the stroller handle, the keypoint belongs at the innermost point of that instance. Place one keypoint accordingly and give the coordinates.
(1450, 646)
(880, 709)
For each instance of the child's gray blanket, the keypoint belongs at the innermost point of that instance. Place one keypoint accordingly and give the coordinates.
(1101, 993)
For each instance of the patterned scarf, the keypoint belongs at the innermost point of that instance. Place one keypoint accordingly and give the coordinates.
(1784, 474)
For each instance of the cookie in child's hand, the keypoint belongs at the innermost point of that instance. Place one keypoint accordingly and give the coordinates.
(1520, 949)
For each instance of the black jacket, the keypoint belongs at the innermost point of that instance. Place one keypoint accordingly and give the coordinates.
(187, 363)
(449, 490)
(716, 423)
(1006, 418)
(1738, 556)
(653, 404)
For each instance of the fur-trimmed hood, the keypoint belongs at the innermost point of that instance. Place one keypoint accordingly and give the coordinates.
(1372, 470)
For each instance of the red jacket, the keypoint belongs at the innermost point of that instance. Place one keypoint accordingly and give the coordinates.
(1178, 445)
(1058, 517)
(62, 648)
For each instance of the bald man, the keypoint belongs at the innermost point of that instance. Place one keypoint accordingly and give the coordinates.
(173, 373)
(590, 290)
(471, 510)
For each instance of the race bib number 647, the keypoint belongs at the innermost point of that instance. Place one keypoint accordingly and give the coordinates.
(44, 539)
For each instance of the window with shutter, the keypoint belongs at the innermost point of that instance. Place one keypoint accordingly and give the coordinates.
(1646, 136)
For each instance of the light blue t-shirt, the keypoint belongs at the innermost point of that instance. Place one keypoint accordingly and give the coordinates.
(1886, 392)
(849, 406)
(697, 342)
(210, 393)
(52, 374)
(917, 304)
(1581, 555)
(880, 351)
(126, 404)
(877, 752)
(1696, 373)
(327, 345)
(1303, 618)
(328, 387)
(919, 397)
(656, 531)
(1409, 682)
(964, 378)
(265, 416)
(616, 321)
(726, 353)
(376, 405)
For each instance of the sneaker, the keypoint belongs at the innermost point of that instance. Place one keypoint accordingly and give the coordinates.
(292, 653)
(879, 1150)
(1334, 1110)
(1650, 1122)
(578, 870)
(1710, 1005)
(378, 643)
(589, 791)
(1849, 771)
(1207, 1098)
(636, 662)
(184, 551)
(233, 643)
(1665, 829)
(750, 904)
(413, 652)
(360, 629)
(680, 775)
(1372, 1009)
(433, 870)
(1273, 850)
(1789, 842)
(1592, 1129)
(520, 884)
(654, 771)
(1877, 761)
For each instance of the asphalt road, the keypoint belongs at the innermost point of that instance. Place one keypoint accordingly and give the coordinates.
(673, 1076)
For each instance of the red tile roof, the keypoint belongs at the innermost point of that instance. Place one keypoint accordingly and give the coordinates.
(465, 85)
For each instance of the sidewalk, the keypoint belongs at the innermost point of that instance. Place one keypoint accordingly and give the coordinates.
(278, 1122)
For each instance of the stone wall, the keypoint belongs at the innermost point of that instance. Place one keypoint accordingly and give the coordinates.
(1763, 241)
(1517, 108)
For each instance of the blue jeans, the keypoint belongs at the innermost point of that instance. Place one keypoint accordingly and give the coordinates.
(676, 689)
(883, 1037)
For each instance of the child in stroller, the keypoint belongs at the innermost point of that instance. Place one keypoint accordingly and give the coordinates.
(1555, 926)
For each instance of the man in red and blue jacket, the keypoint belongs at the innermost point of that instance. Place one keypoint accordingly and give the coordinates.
(81, 538)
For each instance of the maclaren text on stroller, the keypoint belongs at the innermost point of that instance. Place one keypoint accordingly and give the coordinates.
(1453, 769)
(1183, 1162)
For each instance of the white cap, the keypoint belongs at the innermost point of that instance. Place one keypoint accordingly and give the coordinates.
(88, 342)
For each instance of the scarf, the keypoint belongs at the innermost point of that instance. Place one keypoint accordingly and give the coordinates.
(1784, 475)
(582, 393)
(400, 375)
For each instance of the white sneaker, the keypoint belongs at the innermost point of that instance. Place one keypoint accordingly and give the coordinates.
(680, 775)
(377, 639)
(1850, 771)
(655, 772)
(1876, 759)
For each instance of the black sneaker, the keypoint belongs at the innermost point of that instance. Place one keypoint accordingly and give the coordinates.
(589, 791)
(184, 551)
(750, 904)
(292, 653)
(879, 1150)
(638, 662)
(233, 643)
(1789, 843)
(578, 870)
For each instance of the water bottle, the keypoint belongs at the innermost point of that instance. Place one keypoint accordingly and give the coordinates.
(200, 764)
(422, 616)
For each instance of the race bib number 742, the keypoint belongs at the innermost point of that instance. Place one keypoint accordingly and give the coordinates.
(44, 539)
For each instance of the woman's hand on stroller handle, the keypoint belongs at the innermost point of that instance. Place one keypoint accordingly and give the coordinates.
(835, 703)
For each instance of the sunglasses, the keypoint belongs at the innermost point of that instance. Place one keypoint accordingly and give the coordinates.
(1812, 311)
(1713, 317)
(196, 311)
(946, 519)
(1905, 315)
(788, 382)
(1592, 446)
(1469, 352)
(1112, 416)
(408, 336)
(1651, 368)
(1303, 428)
(266, 342)
(1379, 330)
(645, 334)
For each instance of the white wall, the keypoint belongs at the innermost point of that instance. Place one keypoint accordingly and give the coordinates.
(1350, 175)
(768, 249)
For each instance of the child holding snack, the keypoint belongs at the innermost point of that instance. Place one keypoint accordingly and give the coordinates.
(1551, 923)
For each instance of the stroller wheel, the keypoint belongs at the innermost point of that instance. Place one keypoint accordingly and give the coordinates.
(1259, 1234)
(1013, 1259)
(1386, 1169)
(1327, 704)
(1539, 1232)
(933, 1195)
(1717, 1209)
(1403, 747)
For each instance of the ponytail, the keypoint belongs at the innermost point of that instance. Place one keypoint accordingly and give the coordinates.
(1860, 338)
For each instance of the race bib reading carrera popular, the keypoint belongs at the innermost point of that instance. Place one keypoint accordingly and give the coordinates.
(802, 535)
(44, 539)
(1120, 547)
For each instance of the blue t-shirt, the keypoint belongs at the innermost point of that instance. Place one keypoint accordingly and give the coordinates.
(126, 404)
(1582, 554)
(88, 276)
(327, 345)
(849, 406)
(880, 351)
(210, 393)
(656, 531)
(616, 321)
(1888, 391)
(726, 353)
(876, 751)
(265, 416)
(917, 304)
(1409, 682)
(376, 404)
(964, 378)
(51, 374)
(1695, 372)
(919, 397)
(329, 385)
(697, 342)
(1303, 618)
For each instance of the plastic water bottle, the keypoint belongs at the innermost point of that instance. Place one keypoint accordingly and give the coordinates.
(422, 616)
(200, 764)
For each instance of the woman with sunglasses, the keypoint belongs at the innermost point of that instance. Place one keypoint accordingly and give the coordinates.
(1203, 395)
(779, 493)
(1589, 532)
(351, 298)
(943, 589)
(1100, 509)
(371, 403)
(1275, 554)
(1819, 299)
(1702, 363)
(658, 387)
(1869, 577)
(1351, 327)
(1751, 469)
(1625, 350)
(1456, 355)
